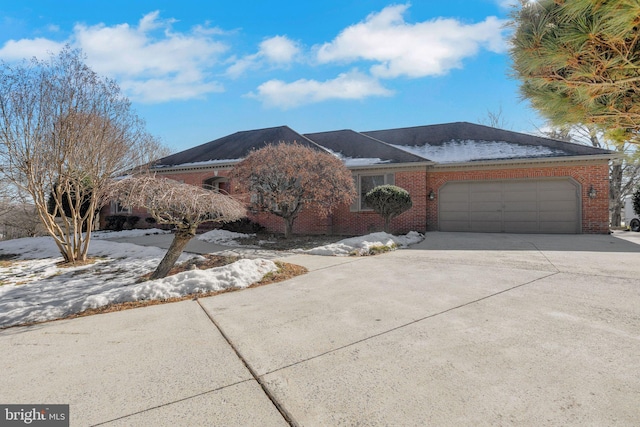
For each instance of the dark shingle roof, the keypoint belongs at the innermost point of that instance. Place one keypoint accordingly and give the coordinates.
(235, 146)
(354, 145)
(442, 135)
(443, 143)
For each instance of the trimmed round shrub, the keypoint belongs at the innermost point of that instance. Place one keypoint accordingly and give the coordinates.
(388, 201)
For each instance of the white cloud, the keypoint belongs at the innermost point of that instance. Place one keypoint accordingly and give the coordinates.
(277, 51)
(352, 85)
(168, 89)
(173, 66)
(150, 61)
(16, 50)
(413, 50)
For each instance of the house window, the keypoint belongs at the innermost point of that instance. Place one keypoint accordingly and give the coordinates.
(365, 183)
(118, 209)
(368, 183)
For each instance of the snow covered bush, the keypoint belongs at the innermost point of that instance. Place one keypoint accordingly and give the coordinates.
(388, 201)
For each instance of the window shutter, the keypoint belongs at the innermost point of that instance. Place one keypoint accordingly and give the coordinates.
(356, 202)
(390, 179)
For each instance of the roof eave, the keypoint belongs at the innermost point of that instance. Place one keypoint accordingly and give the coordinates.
(191, 168)
(530, 160)
(392, 165)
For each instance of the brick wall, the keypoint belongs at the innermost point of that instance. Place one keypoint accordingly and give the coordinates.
(424, 213)
(353, 223)
(595, 212)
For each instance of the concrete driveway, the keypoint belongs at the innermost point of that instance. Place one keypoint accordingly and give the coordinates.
(462, 329)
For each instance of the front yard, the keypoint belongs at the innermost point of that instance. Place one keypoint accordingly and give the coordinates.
(35, 287)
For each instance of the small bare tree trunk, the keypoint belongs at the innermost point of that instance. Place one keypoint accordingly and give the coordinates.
(387, 224)
(180, 240)
(288, 227)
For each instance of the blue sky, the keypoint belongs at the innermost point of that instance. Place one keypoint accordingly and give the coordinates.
(199, 70)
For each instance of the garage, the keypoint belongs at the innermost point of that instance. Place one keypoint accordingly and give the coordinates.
(510, 206)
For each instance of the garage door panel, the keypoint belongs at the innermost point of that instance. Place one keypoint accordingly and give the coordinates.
(454, 197)
(458, 216)
(454, 207)
(485, 197)
(556, 216)
(556, 195)
(519, 206)
(557, 206)
(485, 216)
(486, 206)
(513, 196)
(556, 184)
(520, 185)
(486, 186)
(520, 216)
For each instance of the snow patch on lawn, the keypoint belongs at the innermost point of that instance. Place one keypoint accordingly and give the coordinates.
(237, 275)
(362, 245)
(223, 237)
(34, 288)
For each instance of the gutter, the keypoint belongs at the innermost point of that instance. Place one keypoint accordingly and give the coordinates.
(533, 160)
(412, 165)
(416, 165)
(205, 167)
(193, 168)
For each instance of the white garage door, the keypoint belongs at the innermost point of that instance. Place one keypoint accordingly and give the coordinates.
(519, 206)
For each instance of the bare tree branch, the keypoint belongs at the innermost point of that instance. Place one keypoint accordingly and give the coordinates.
(64, 132)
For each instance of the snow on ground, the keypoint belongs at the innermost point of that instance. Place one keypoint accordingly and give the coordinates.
(361, 245)
(33, 288)
(223, 237)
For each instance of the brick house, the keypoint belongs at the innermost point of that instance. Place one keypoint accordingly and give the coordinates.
(461, 177)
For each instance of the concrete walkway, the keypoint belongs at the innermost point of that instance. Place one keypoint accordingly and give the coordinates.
(462, 329)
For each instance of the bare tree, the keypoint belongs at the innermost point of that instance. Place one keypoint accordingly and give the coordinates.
(181, 205)
(494, 119)
(64, 131)
(20, 220)
(284, 178)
